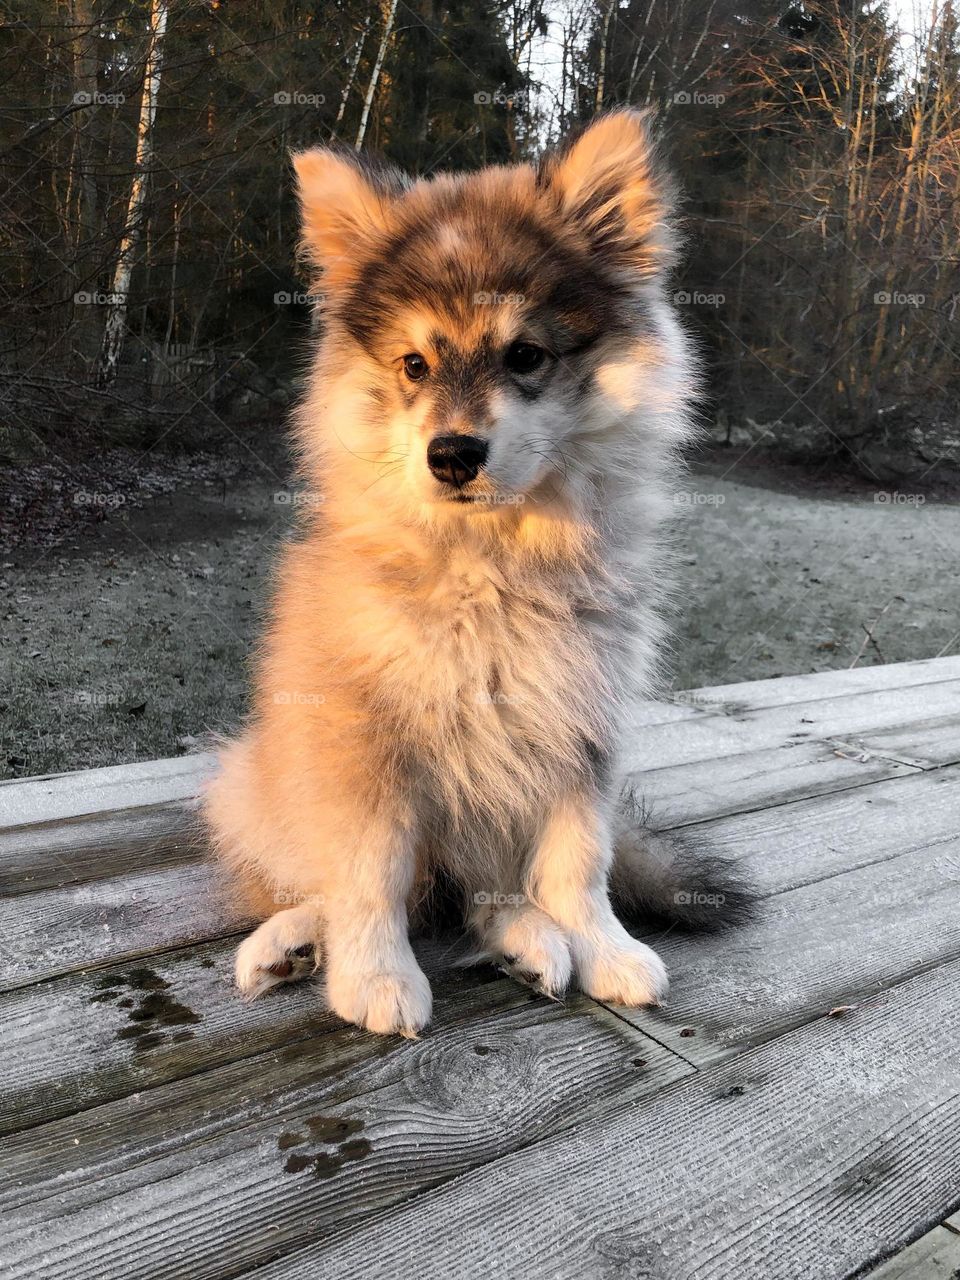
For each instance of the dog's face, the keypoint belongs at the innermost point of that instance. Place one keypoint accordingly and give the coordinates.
(476, 325)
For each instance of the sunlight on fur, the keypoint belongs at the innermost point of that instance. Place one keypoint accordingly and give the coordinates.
(492, 431)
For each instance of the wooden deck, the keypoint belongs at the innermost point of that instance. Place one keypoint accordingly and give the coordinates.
(793, 1112)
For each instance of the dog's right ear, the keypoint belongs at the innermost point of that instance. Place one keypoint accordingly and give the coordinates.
(345, 204)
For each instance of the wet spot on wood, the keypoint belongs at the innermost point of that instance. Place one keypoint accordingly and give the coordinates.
(151, 1012)
(482, 1049)
(325, 1165)
(332, 1131)
(332, 1128)
(206, 963)
(146, 980)
(288, 1140)
(142, 1037)
(688, 1031)
(639, 1062)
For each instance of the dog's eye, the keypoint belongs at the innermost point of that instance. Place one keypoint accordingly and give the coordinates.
(414, 366)
(524, 357)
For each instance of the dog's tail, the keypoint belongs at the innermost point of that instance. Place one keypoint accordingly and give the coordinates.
(669, 876)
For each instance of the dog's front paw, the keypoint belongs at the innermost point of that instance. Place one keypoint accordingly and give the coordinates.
(285, 948)
(626, 973)
(397, 1002)
(531, 947)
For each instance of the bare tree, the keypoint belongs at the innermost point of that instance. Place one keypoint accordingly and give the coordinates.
(117, 305)
(389, 16)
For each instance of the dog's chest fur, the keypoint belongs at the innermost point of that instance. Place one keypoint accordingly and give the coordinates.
(502, 694)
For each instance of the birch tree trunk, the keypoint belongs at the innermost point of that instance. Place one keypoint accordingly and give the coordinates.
(117, 306)
(390, 13)
(348, 87)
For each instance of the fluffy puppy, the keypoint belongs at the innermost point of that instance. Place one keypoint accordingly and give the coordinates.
(490, 434)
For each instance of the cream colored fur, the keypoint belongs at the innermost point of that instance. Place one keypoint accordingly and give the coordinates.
(445, 687)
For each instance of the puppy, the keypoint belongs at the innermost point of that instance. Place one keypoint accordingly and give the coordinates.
(490, 435)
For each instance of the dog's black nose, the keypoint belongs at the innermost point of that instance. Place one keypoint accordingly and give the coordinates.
(456, 459)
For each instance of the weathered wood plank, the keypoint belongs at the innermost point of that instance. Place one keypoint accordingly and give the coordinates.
(86, 1038)
(811, 1156)
(265, 1155)
(706, 789)
(813, 949)
(792, 844)
(105, 921)
(52, 854)
(733, 729)
(781, 691)
(125, 786)
(931, 743)
(935, 1256)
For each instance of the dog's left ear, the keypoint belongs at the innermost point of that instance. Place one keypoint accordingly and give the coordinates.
(609, 183)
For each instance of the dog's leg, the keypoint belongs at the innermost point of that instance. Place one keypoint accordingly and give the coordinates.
(527, 943)
(568, 879)
(286, 947)
(373, 978)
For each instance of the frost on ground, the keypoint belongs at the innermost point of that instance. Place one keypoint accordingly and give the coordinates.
(129, 637)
